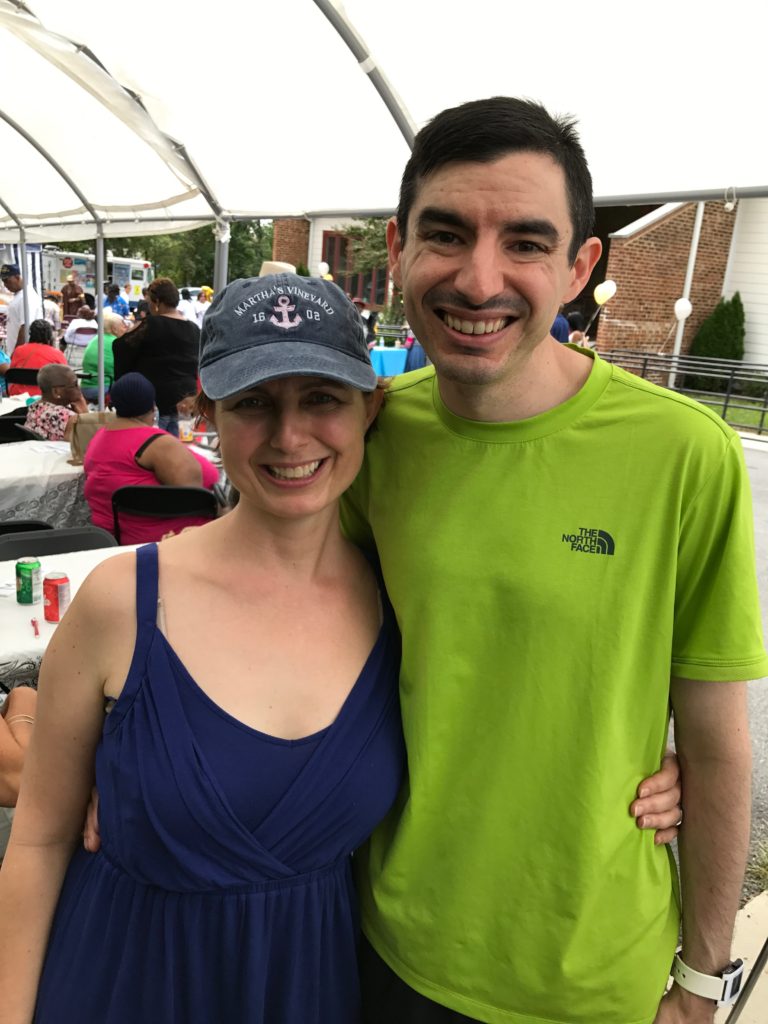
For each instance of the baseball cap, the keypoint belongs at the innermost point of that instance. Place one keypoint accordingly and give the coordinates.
(10, 270)
(261, 328)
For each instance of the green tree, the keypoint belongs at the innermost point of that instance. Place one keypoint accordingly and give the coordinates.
(721, 335)
(367, 245)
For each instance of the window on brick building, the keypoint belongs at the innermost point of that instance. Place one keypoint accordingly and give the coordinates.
(371, 286)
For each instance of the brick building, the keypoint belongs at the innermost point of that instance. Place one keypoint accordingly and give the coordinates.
(648, 261)
(290, 241)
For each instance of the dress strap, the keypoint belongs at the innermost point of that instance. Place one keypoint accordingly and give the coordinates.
(146, 585)
(146, 614)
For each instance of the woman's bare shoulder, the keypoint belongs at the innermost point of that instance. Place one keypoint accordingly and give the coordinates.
(109, 590)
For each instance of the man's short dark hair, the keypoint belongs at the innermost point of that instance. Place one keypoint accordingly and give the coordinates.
(482, 131)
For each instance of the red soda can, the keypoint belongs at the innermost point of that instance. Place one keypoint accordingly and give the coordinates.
(56, 595)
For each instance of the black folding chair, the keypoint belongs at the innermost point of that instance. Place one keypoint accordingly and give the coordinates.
(54, 542)
(19, 376)
(162, 503)
(23, 525)
(25, 434)
(10, 431)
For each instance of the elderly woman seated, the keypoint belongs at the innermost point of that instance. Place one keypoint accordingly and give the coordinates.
(130, 450)
(54, 415)
(36, 353)
(85, 319)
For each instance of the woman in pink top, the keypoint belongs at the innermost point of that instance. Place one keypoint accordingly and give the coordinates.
(130, 450)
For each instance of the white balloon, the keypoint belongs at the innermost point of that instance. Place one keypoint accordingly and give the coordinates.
(683, 309)
(604, 292)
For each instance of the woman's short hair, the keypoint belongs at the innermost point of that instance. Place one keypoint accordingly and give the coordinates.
(113, 322)
(55, 375)
(41, 332)
(164, 292)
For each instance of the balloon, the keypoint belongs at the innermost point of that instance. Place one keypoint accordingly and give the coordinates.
(322, 269)
(683, 309)
(604, 291)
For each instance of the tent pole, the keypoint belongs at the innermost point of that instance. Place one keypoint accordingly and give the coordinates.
(222, 233)
(368, 66)
(687, 286)
(100, 307)
(24, 284)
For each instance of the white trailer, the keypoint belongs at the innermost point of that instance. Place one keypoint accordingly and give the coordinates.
(121, 270)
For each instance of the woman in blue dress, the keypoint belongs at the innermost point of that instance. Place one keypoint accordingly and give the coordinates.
(247, 750)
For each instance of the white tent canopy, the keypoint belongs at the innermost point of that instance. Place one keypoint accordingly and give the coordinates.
(165, 114)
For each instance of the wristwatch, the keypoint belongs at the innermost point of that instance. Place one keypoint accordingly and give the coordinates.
(724, 988)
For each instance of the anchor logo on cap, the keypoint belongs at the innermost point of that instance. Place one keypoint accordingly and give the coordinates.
(284, 308)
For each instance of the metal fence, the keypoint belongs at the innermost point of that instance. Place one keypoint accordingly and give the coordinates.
(738, 391)
(390, 334)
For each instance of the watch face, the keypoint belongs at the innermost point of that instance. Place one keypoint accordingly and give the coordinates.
(732, 978)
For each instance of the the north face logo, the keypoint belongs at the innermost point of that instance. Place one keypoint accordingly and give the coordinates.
(593, 542)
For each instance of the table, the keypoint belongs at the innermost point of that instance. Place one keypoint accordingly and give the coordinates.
(37, 482)
(387, 362)
(12, 404)
(20, 650)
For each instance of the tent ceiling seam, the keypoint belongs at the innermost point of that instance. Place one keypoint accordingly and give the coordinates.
(27, 32)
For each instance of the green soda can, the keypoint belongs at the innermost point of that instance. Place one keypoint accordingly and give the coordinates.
(29, 581)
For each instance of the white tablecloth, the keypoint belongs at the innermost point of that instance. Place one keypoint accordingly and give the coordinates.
(37, 482)
(20, 650)
(13, 404)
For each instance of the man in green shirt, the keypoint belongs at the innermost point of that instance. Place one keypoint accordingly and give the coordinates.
(569, 551)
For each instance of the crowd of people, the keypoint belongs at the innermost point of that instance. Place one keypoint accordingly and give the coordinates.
(514, 487)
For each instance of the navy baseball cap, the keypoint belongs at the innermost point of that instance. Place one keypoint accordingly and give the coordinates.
(261, 328)
(10, 270)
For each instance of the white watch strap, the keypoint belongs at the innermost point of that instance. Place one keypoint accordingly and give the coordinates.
(722, 989)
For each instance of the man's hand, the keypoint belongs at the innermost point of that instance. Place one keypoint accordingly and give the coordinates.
(681, 1007)
(91, 834)
(659, 801)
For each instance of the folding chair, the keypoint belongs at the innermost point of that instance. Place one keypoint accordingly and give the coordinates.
(10, 431)
(54, 542)
(162, 503)
(23, 525)
(21, 376)
(76, 348)
(28, 435)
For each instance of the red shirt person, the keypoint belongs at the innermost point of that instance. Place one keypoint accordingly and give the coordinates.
(38, 351)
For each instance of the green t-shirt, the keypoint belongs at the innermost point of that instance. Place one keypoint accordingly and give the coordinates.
(91, 362)
(548, 576)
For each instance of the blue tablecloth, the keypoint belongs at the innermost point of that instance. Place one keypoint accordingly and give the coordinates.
(388, 361)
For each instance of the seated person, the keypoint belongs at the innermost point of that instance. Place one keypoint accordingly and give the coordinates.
(36, 353)
(131, 450)
(114, 327)
(54, 415)
(86, 317)
(16, 720)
